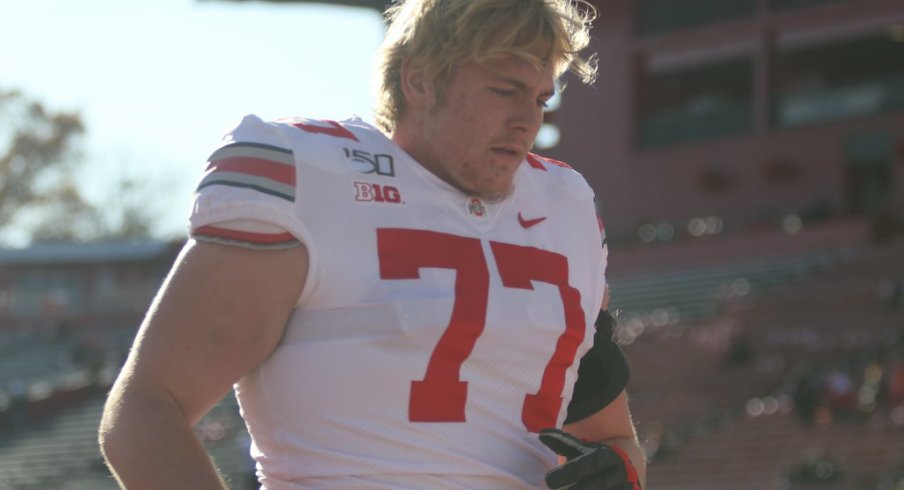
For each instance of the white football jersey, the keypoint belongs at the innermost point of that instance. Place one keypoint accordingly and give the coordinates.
(437, 332)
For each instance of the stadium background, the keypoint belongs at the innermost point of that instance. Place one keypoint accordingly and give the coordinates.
(749, 162)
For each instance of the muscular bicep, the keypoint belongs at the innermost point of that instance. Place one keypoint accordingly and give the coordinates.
(219, 314)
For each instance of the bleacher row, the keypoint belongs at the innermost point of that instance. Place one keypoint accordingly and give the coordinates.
(704, 418)
(61, 451)
(688, 294)
(689, 404)
(56, 453)
(50, 408)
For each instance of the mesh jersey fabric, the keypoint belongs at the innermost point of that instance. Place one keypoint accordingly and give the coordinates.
(436, 332)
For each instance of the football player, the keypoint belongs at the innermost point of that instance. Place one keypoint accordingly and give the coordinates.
(410, 306)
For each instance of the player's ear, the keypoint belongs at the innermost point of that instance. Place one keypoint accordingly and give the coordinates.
(416, 85)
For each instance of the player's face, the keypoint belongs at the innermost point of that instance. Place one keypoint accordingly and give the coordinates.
(479, 130)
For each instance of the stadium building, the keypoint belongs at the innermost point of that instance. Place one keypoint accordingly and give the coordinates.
(747, 112)
(714, 116)
(733, 115)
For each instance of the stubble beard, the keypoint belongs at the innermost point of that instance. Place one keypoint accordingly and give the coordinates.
(480, 175)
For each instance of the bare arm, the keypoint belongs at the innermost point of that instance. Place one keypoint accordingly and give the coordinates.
(613, 426)
(220, 313)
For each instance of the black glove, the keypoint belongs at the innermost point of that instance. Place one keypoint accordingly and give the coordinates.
(590, 466)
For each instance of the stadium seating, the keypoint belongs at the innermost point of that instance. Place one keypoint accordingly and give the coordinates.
(709, 419)
(709, 424)
(62, 452)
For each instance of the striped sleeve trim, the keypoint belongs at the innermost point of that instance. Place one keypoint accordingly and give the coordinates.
(245, 239)
(264, 168)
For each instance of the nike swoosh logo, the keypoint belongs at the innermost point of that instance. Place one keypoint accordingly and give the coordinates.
(527, 223)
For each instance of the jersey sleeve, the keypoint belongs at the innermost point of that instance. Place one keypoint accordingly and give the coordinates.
(247, 195)
(603, 371)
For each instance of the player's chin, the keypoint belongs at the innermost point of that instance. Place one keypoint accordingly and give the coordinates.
(496, 187)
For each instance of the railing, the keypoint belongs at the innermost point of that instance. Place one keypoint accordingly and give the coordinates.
(830, 104)
(687, 125)
(661, 16)
(796, 4)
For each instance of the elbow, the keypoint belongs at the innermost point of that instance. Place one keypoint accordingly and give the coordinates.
(121, 424)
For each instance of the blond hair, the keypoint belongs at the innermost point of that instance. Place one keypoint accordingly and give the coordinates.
(441, 34)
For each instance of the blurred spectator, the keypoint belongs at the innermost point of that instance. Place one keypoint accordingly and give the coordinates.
(840, 392)
(807, 396)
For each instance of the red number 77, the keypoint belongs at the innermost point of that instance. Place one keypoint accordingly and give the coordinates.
(441, 396)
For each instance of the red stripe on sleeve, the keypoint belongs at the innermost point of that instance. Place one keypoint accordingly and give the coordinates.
(246, 236)
(257, 167)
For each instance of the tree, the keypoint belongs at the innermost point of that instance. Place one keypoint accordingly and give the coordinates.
(39, 194)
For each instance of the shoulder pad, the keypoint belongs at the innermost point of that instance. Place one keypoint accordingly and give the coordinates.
(253, 129)
(561, 175)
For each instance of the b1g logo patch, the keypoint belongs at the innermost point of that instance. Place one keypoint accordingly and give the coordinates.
(370, 163)
(367, 192)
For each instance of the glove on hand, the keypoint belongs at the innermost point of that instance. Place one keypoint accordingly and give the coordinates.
(590, 466)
